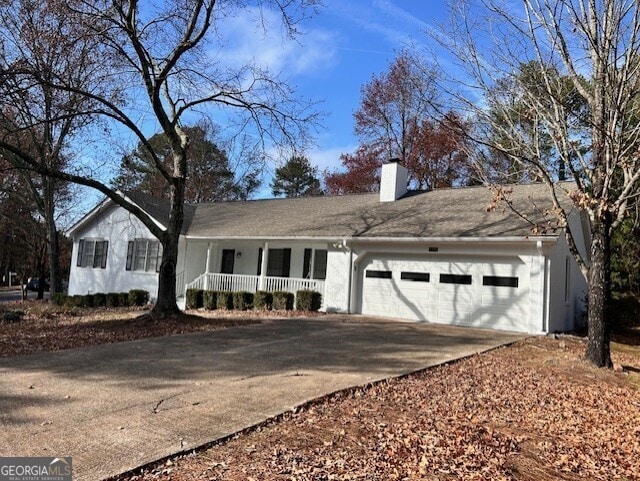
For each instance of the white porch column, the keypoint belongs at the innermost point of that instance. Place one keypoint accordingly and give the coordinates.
(206, 267)
(263, 266)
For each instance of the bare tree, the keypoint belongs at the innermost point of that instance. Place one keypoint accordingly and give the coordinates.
(592, 49)
(398, 116)
(161, 58)
(393, 104)
(35, 117)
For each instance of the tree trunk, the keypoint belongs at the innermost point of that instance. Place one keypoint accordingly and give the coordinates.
(166, 303)
(598, 349)
(55, 277)
(41, 271)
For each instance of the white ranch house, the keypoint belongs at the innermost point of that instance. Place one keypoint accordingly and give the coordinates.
(437, 256)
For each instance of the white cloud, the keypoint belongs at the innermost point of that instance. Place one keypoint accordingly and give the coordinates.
(381, 17)
(390, 10)
(329, 158)
(258, 37)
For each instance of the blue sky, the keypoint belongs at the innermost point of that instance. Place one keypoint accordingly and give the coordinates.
(362, 37)
(338, 51)
(341, 48)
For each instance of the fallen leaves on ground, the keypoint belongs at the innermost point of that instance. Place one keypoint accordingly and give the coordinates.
(44, 327)
(532, 411)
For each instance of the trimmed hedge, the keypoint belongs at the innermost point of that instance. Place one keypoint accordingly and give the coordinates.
(138, 297)
(263, 300)
(194, 298)
(209, 300)
(123, 299)
(135, 297)
(224, 300)
(113, 299)
(283, 300)
(307, 300)
(13, 316)
(87, 300)
(242, 300)
(59, 298)
(99, 299)
(73, 301)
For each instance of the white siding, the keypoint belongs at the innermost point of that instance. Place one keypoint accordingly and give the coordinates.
(539, 304)
(337, 291)
(566, 309)
(117, 226)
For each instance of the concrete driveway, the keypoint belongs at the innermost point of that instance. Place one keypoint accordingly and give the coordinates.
(118, 406)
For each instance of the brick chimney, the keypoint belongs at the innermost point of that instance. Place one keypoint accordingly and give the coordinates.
(393, 181)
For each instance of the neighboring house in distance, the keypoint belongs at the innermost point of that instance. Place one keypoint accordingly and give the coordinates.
(437, 256)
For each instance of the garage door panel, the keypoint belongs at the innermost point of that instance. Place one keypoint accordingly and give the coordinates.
(463, 296)
(502, 297)
(416, 313)
(497, 296)
(453, 315)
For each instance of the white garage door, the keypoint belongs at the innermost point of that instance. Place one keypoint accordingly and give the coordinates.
(480, 292)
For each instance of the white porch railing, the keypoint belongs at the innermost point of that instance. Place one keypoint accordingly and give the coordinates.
(292, 284)
(240, 282)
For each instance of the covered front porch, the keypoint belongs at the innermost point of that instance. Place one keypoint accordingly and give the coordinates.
(250, 266)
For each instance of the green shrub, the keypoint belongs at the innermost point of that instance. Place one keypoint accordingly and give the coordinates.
(99, 299)
(73, 301)
(224, 300)
(113, 299)
(123, 299)
(307, 300)
(13, 316)
(242, 300)
(263, 300)
(138, 297)
(209, 300)
(283, 300)
(87, 300)
(194, 298)
(59, 298)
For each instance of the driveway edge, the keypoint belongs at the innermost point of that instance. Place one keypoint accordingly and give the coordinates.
(300, 407)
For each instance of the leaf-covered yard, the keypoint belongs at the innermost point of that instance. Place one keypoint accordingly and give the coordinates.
(531, 411)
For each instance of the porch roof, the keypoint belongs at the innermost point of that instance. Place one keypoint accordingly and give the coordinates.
(453, 212)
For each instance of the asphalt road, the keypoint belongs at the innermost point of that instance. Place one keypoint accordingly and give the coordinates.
(8, 296)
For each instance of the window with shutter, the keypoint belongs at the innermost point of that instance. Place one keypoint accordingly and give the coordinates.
(92, 253)
(279, 263)
(144, 255)
(130, 248)
(89, 251)
(306, 268)
(80, 252)
(320, 264)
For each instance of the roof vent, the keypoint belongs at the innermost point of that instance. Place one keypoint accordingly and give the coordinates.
(393, 181)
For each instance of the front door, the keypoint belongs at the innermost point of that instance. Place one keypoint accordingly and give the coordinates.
(228, 257)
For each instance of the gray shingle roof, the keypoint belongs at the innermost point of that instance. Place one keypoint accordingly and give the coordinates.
(159, 208)
(456, 212)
